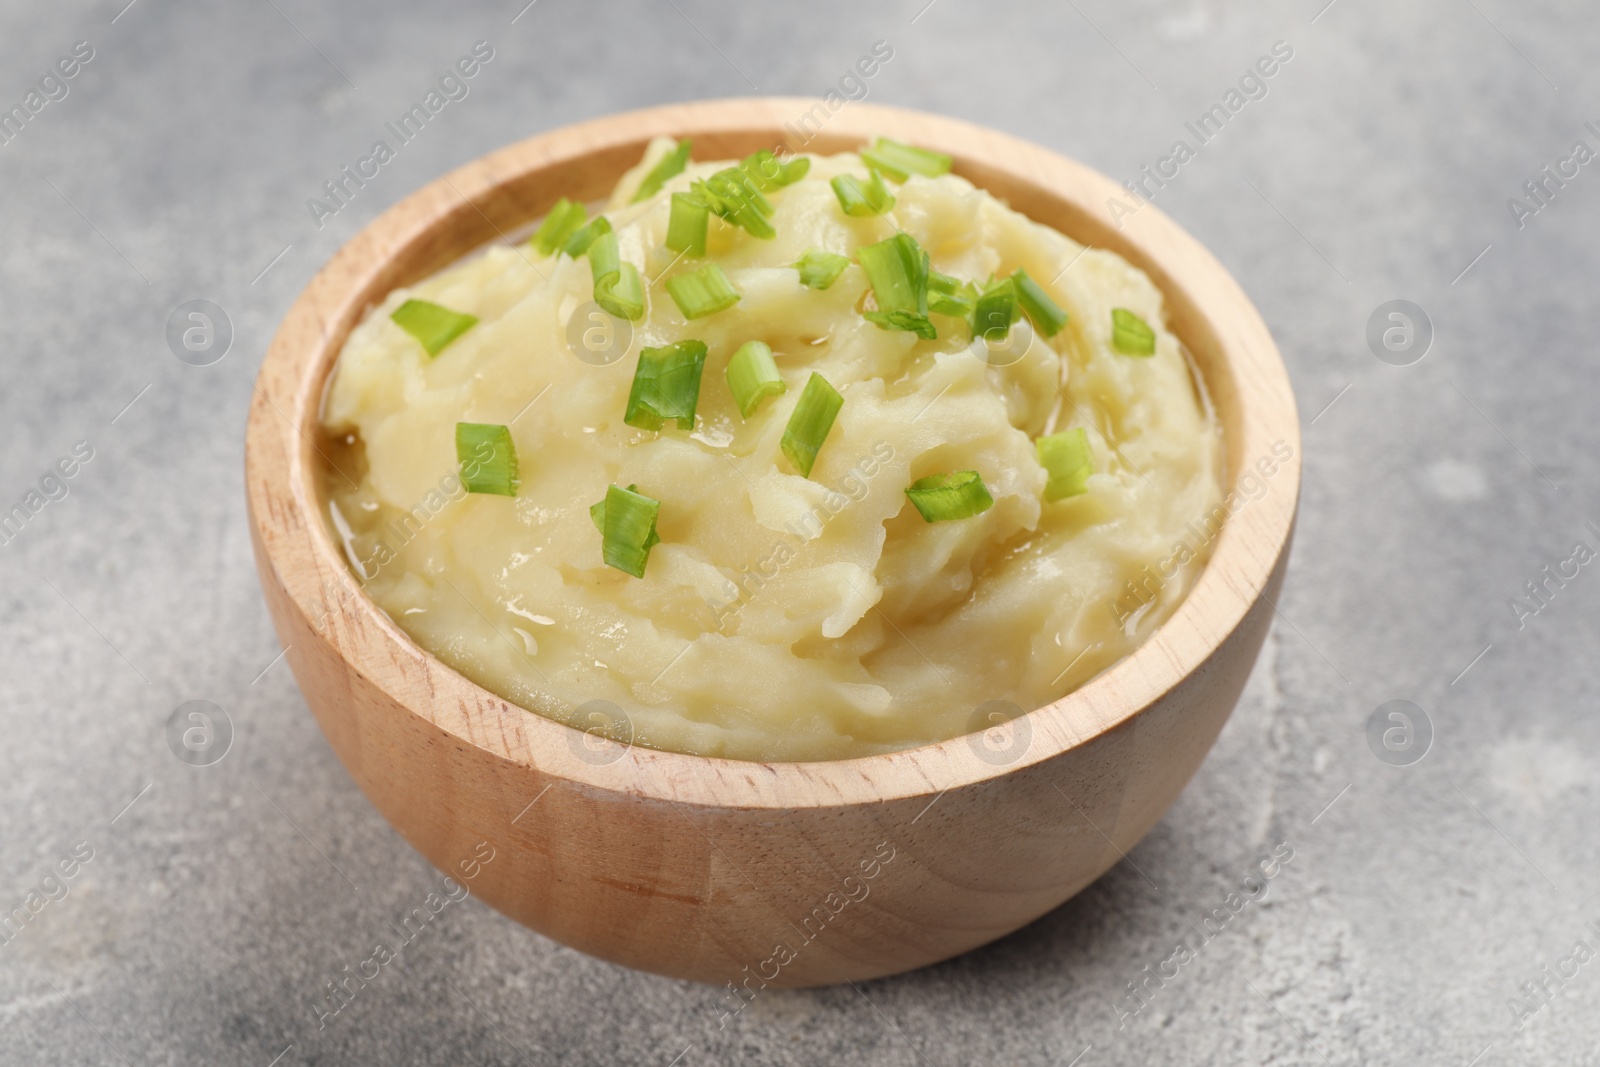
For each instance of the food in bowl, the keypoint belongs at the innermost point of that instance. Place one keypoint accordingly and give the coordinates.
(777, 459)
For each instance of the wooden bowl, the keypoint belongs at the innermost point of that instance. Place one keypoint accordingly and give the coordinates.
(784, 874)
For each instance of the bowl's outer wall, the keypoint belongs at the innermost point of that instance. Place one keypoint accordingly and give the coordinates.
(753, 873)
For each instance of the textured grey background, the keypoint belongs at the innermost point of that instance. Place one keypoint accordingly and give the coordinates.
(1377, 167)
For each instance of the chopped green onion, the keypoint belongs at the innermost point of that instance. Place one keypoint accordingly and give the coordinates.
(666, 385)
(604, 255)
(898, 271)
(1045, 314)
(626, 519)
(617, 286)
(819, 269)
(956, 305)
(909, 321)
(1131, 335)
(702, 292)
(900, 161)
(769, 173)
(950, 296)
(580, 241)
(995, 310)
(431, 324)
(1068, 461)
(488, 458)
(942, 497)
(687, 225)
(810, 422)
(860, 201)
(558, 226)
(667, 167)
(597, 515)
(733, 195)
(753, 375)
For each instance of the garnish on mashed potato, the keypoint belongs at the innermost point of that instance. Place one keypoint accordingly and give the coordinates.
(904, 491)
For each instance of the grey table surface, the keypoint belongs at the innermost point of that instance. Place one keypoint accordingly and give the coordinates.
(1423, 896)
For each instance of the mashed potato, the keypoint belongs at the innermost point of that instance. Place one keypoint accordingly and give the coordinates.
(780, 617)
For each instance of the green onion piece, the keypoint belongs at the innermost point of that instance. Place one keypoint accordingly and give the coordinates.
(769, 173)
(732, 194)
(956, 305)
(810, 422)
(669, 166)
(1131, 335)
(753, 375)
(431, 324)
(908, 321)
(1045, 314)
(860, 201)
(626, 519)
(580, 241)
(898, 271)
(604, 256)
(1068, 461)
(597, 517)
(488, 458)
(900, 161)
(942, 497)
(819, 269)
(702, 292)
(950, 296)
(666, 385)
(558, 226)
(624, 297)
(617, 286)
(995, 310)
(686, 226)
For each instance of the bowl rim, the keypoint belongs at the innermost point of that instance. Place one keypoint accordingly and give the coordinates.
(295, 543)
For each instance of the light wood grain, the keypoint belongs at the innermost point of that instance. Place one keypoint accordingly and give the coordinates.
(702, 868)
